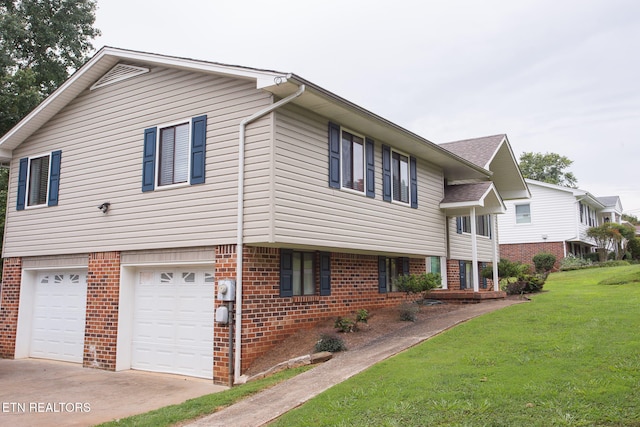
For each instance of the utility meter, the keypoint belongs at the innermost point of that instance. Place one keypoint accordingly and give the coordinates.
(226, 290)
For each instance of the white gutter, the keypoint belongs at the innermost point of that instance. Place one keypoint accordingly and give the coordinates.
(240, 225)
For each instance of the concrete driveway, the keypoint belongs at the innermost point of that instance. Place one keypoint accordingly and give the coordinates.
(37, 392)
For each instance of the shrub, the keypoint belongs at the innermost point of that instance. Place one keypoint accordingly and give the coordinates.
(574, 263)
(344, 324)
(331, 343)
(408, 312)
(418, 283)
(592, 256)
(362, 315)
(508, 269)
(514, 288)
(544, 262)
(614, 263)
(534, 283)
(634, 247)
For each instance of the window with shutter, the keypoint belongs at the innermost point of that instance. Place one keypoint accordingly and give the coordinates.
(39, 181)
(351, 161)
(174, 154)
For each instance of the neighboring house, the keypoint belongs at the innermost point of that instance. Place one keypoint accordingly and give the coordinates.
(137, 183)
(555, 219)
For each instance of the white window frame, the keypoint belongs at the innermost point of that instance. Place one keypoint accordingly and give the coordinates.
(393, 199)
(157, 185)
(28, 186)
(486, 218)
(364, 163)
(515, 209)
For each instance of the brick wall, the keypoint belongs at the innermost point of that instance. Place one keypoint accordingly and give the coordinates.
(101, 329)
(524, 252)
(9, 299)
(268, 318)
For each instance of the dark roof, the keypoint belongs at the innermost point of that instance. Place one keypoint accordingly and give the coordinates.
(465, 192)
(608, 200)
(479, 151)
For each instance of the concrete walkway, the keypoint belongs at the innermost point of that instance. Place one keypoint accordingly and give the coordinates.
(35, 392)
(268, 405)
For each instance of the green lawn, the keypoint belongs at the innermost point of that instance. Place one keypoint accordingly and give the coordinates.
(570, 357)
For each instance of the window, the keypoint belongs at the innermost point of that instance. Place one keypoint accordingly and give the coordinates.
(298, 273)
(174, 154)
(388, 270)
(434, 264)
(400, 177)
(523, 214)
(39, 180)
(38, 183)
(483, 225)
(352, 162)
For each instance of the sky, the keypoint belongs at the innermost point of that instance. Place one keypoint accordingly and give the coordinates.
(557, 76)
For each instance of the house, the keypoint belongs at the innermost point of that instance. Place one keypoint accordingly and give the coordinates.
(175, 215)
(555, 219)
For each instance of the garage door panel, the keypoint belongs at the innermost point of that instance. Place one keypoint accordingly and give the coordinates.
(59, 314)
(173, 322)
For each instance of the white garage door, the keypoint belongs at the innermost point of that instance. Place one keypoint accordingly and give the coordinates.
(59, 316)
(173, 322)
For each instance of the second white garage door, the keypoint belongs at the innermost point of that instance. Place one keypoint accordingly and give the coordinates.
(173, 322)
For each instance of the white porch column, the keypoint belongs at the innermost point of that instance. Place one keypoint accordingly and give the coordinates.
(474, 252)
(496, 252)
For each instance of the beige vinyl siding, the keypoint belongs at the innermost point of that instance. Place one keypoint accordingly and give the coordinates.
(460, 244)
(101, 133)
(307, 212)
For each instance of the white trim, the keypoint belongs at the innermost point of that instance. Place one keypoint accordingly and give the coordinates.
(364, 162)
(189, 123)
(402, 153)
(28, 182)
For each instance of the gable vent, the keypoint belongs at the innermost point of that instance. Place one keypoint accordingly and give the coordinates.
(119, 73)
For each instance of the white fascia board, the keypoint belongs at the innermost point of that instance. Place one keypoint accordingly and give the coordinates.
(263, 78)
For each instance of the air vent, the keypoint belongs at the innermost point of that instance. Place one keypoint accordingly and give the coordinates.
(119, 73)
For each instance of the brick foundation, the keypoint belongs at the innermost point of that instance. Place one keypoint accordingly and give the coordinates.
(268, 318)
(524, 252)
(453, 277)
(101, 328)
(9, 300)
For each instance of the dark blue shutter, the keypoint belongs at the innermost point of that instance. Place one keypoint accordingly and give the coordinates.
(459, 225)
(484, 279)
(371, 167)
(198, 147)
(54, 177)
(463, 274)
(286, 273)
(386, 173)
(149, 160)
(22, 183)
(413, 173)
(405, 266)
(334, 155)
(325, 273)
(382, 275)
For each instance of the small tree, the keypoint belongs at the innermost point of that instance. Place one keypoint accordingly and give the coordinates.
(544, 262)
(605, 235)
(416, 284)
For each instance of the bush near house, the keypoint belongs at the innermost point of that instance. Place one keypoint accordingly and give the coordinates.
(544, 262)
(516, 278)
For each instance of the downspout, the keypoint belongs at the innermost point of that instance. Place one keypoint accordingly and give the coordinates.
(240, 225)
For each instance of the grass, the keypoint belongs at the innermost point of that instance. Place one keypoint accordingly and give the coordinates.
(571, 357)
(194, 408)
